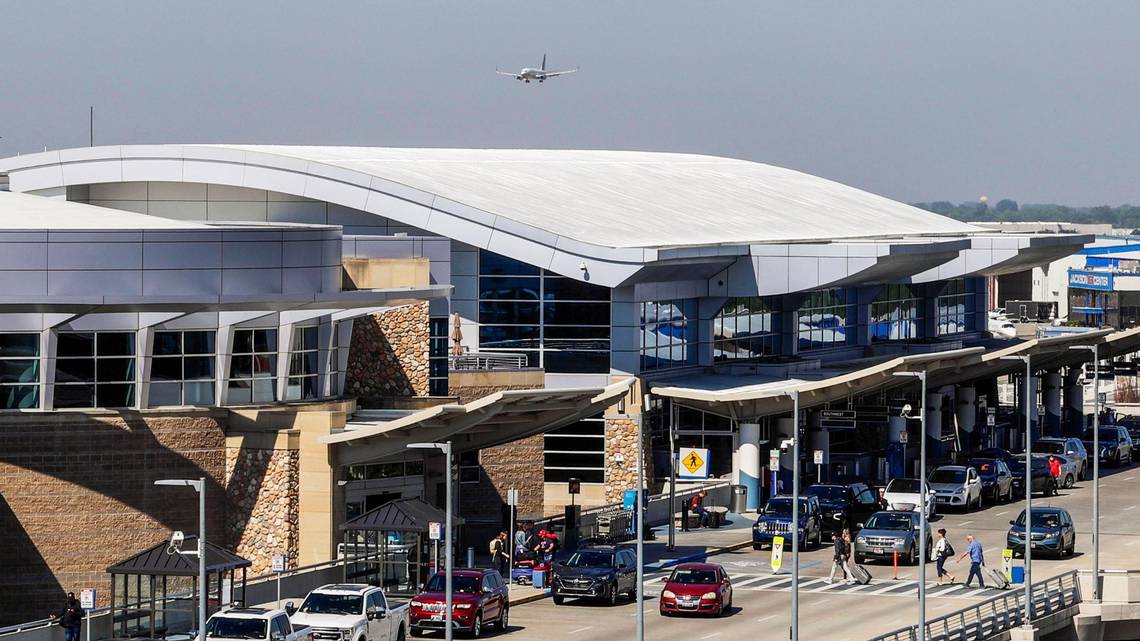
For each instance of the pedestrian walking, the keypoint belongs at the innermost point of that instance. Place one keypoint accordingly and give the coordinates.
(498, 547)
(1055, 467)
(70, 618)
(942, 551)
(841, 552)
(977, 560)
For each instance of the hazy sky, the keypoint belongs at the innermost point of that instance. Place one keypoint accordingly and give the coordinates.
(1036, 100)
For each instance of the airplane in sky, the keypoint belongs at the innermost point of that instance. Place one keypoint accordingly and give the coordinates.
(527, 74)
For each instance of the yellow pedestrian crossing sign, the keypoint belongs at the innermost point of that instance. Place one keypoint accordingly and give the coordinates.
(777, 553)
(694, 463)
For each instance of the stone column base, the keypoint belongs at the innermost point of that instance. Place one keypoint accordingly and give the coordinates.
(1024, 633)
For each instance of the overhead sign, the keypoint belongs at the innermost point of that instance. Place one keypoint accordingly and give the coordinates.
(434, 530)
(87, 599)
(279, 562)
(694, 463)
(1101, 281)
(837, 419)
(777, 553)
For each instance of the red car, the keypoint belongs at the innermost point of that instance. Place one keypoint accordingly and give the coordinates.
(478, 598)
(697, 588)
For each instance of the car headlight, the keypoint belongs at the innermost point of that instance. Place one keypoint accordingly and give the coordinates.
(462, 606)
(860, 539)
(346, 633)
(708, 595)
(900, 541)
(668, 594)
(416, 604)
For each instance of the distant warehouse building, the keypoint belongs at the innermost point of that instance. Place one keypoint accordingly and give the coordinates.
(285, 320)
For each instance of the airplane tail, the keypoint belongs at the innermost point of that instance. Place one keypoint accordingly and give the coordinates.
(543, 67)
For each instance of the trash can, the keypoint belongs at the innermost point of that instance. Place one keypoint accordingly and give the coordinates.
(538, 579)
(739, 499)
(1018, 574)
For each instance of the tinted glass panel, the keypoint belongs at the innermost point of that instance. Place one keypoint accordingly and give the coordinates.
(491, 263)
(74, 370)
(165, 394)
(19, 397)
(199, 367)
(198, 342)
(74, 396)
(577, 362)
(508, 337)
(72, 344)
(264, 366)
(576, 313)
(569, 289)
(199, 393)
(265, 340)
(241, 367)
(115, 344)
(19, 345)
(115, 395)
(167, 343)
(243, 342)
(166, 369)
(19, 371)
(508, 313)
(115, 369)
(585, 476)
(508, 288)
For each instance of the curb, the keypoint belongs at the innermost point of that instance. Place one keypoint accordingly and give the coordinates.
(531, 598)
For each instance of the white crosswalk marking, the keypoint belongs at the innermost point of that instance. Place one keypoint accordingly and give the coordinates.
(819, 584)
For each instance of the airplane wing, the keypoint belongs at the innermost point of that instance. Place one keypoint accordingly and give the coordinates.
(507, 73)
(551, 74)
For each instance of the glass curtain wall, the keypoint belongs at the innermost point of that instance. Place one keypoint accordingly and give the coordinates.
(826, 319)
(747, 327)
(439, 337)
(95, 369)
(560, 324)
(304, 356)
(669, 334)
(182, 368)
(897, 314)
(956, 307)
(19, 371)
(253, 367)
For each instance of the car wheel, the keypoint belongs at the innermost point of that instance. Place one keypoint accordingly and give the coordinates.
(1069, 481)
(501, 624)
(477, 625)
(400, 634)
(912, 556)
(559, 599)
(757, 546)
(613, 595)
(416, 633)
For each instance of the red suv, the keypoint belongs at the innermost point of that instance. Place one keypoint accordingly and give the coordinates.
(478, 598)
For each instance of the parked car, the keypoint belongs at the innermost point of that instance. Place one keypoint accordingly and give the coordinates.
(478, 598)
(844, 504)
(888, 533)
(1042, 478)
(1069, 469)
(1051, 531)
(997, 480)
(776, 520)
(1069, 447)
(956, 486)
(1115, 444)
(596, 572)
(350, 612)
(255, 623)
(995, 453)
(697, 588)
(901, 493)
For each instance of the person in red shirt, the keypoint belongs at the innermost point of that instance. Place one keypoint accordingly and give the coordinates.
(1055, 467)
(697, 505)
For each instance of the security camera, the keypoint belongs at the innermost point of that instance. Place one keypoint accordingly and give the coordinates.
(177, 538)
(787, 444)
(905, 410)
(582, 265)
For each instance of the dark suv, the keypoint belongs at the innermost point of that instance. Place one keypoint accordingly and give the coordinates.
(845, 504)
(1043, 481)
(596, 572)
(776, 521)
(1115, 444)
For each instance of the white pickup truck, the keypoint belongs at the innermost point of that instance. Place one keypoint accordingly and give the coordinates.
(351, 612)
(255, 623)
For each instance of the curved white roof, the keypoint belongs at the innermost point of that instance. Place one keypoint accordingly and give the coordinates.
(636, 199)
(24, 212)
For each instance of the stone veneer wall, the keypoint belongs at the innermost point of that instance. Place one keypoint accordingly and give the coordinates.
(263, 488)
(621, 438)
(388, 355)
(77, 495)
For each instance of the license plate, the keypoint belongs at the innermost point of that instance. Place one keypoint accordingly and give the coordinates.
(436, 617)
(880, 551)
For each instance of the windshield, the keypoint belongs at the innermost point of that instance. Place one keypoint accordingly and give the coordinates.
(948, 476)
(693, 577)
(230, 628)
(783, 507)
(1106, 434)
(1041, 519)
(1040, 466)
(890, 521)
(828, 492)
(903, 486)
(1049, 447)
(984, 468)
(459, 584)
(318, 603)
(591, 559)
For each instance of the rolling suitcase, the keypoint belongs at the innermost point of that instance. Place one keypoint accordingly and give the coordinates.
(860, 574)
(995, 578)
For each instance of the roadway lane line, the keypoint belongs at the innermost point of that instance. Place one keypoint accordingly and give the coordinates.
(1129, 508)
(709, 636)
(1129, 478)
(966, 522)
(589, 627)
(763, 619)
(1001, 513)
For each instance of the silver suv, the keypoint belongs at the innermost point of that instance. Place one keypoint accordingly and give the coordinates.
(1071, 448)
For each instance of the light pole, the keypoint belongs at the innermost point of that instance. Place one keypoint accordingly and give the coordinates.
(1096, 466)
(640, 511)
(921, 376)
(447, 544)
(1028, 403)
(795, 529)
(199, 487)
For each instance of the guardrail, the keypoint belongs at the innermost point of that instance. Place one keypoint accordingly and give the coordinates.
(486, 361)
(996, 615)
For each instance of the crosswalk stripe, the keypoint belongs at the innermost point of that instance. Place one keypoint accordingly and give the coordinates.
(940, 590)
(895, 586)
(740, 584)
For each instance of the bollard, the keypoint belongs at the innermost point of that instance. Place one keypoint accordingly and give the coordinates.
(895, 563)
(470, 557)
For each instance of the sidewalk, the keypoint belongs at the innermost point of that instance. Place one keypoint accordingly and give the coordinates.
(695, 545)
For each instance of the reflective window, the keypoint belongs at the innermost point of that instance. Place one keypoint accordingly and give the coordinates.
(438, 349)
(19, 371)
(304, 357)
(576, 451)
(746, 327)
(182, 368)
(95, 369)
(559, 324)
(896, 314)
(253, 367)
(826, 317)
(669, 334)
(956, 307)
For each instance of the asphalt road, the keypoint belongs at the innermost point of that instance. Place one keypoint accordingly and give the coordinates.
(849, 613)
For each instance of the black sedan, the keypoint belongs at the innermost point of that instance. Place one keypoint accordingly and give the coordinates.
(1051, 531)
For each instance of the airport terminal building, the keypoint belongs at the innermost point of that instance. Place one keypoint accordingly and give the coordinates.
(284, 320)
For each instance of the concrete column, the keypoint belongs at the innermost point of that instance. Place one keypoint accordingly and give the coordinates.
(934, 426)
(821, 440)
(1026, 405)
(896, 451)
(748, 455)
(966, 411)
(785, 429)
(1073, 390)
(1051, 393)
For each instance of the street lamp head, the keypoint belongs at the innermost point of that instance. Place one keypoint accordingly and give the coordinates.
(429, 446)
(918, 374)
(196, 484)
(1087, 348)
(1023, 359)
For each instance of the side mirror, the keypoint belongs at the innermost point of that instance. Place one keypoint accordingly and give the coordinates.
(290, 609)
(1012, 522)
(277, 636)
(859, 526)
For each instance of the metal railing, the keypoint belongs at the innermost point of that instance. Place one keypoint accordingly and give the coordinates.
(486, 361)
(996, 615)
